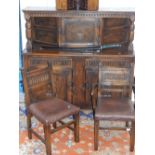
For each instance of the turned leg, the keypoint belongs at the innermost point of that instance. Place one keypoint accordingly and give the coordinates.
(96, 133)
(76, 127)
(127, 125)
(55, 125)
(93, 113)
(47, 132)
(132, 136)
(29, 125)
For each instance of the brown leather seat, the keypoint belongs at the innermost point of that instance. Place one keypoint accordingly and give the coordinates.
(111, 99)
(52, 110)
(45, 107)
(115, 109)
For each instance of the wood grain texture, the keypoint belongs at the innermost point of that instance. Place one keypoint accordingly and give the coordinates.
(75, 42)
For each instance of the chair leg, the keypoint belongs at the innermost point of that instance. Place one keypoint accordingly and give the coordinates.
(93, 113)
(132, 136)
(55, 125)
(47, 132)
(29, 125)
(76, 127)
(96, 133)
(127, 124)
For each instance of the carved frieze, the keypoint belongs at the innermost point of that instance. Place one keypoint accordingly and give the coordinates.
(30, 12)
(62, 62)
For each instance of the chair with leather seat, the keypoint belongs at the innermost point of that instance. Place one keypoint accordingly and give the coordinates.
(111, 98)
(45, 107)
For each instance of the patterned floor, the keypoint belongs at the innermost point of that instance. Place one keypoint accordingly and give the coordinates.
(110, 142)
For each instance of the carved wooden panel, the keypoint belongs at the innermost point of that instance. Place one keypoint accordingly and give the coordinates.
(44, 32)
(83, 4)
(116, 30)
(51, 29)
(115, 80)
(75, 75)
(79, 32)
(38, 84)
(45, 36)
(61, 74)
(62, 79)
(48, 12)
(45, 22)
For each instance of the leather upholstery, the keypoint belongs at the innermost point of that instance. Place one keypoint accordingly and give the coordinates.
(114, 109)
(51, 110)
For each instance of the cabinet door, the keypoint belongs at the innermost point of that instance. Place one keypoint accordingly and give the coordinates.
(79, 32)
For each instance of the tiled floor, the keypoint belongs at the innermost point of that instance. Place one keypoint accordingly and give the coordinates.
(110, 142)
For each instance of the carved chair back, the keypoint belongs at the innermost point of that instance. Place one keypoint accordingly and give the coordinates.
(37, 83)
(115, 79)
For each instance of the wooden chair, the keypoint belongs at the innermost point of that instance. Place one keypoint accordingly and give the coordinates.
(113, 101)
(46, 108)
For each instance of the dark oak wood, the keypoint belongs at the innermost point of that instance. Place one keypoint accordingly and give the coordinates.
(48, 29)
(113, 102)
(77, 4)
(75, 71)
(42, 102)
(96, 134)
(75, 42)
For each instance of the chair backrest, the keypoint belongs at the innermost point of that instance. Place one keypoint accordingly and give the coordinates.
(115, 78)
(37, 83)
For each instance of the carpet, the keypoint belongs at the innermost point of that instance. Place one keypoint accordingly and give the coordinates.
(110, 142)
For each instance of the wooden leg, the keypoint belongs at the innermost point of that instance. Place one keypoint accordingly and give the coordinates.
(127, 124)
(93, 113)
(29, 125)
(132, 136)
(76, 127)
(96, 132)
(47, 130)
(55, 125)
(93, 100)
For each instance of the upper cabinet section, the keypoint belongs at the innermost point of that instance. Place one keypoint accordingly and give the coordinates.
(78, 30)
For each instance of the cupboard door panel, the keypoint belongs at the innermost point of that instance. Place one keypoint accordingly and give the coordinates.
(79, 32)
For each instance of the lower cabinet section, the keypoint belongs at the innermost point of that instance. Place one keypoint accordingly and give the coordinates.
(73, 77)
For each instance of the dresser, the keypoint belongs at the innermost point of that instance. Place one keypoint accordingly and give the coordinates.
(75, 42)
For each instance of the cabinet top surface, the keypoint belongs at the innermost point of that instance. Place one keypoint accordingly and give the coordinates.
(102, 12)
